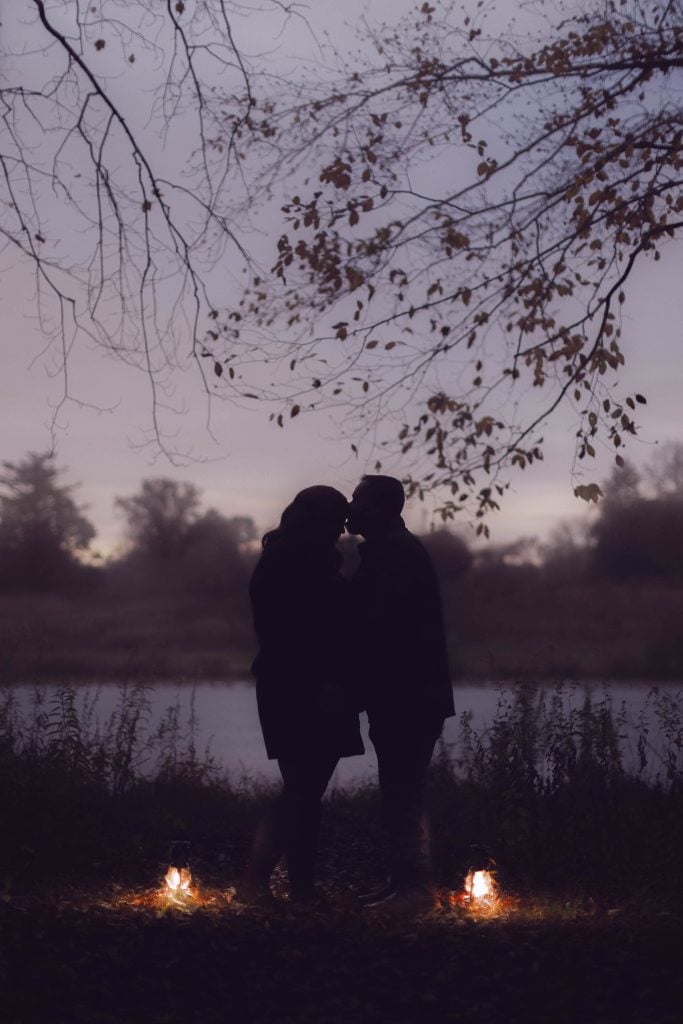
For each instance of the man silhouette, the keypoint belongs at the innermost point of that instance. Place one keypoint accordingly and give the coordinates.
(403, 673)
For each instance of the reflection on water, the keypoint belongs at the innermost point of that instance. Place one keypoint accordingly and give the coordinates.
(226, 720)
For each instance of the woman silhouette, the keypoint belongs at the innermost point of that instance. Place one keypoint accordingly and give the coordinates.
(307, 714)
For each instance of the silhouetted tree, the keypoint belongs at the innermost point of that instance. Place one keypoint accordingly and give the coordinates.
(242, 528)
(159, 518)
(212, 567)
(638, 538)
(178, 550)
(566, 554)
(623, 485)
(449, 553)
(41, 526)
(665, 471)
(640, 542)
(503, 570)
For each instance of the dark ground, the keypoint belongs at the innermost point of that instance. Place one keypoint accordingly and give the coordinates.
(121, 955)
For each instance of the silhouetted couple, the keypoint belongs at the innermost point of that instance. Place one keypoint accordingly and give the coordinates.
(329, 649)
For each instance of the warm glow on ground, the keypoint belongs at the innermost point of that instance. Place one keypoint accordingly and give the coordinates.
(187, 900)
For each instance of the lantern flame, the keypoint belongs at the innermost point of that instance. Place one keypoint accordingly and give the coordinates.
(480, 887)
(178, 880)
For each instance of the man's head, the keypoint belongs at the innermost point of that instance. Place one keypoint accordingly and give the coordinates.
(376, 505)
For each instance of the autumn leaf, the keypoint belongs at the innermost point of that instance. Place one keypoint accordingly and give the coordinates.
(588, 492)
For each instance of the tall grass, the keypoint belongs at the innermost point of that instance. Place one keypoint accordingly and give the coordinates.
(554, 789)
(79, 796)
(56, 733)
(547, 787)
(548, 738)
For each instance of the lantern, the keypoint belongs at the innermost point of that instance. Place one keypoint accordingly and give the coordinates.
(178, 876)
(480, 884)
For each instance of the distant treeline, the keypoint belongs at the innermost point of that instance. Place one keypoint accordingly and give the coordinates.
(602, 602)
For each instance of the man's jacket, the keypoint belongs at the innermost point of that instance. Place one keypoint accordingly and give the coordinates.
(401, 649)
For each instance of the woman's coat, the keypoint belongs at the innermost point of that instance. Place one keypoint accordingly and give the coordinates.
(300, 604)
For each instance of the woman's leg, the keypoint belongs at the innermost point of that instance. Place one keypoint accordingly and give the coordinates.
(305, 781)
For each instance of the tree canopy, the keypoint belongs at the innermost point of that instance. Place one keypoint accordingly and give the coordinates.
(464, 209)
(459, 256)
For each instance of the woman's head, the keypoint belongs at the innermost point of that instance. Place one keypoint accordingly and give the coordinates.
(316, 514)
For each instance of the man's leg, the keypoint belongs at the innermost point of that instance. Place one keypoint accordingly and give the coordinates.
(403, 755)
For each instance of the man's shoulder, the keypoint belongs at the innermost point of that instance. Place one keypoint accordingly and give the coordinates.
(404, 552)
(409, 544)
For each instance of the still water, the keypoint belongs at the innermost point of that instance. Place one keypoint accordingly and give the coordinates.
(226, 720)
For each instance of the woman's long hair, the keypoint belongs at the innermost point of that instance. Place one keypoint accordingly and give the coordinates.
(310, 516)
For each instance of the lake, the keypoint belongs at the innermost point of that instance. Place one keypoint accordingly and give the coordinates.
(226, 719)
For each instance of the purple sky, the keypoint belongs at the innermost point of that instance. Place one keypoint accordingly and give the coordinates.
(250, 467)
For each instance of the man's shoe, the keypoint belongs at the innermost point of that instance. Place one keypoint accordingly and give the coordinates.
(369, 899)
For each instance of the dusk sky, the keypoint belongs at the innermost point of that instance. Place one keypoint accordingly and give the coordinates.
(248, 466)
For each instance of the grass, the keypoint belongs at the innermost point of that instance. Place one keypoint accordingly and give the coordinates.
(50, 637)
(527, 628)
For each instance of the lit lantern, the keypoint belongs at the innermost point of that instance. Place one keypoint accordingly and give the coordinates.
(480, 884)
(178, 876)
